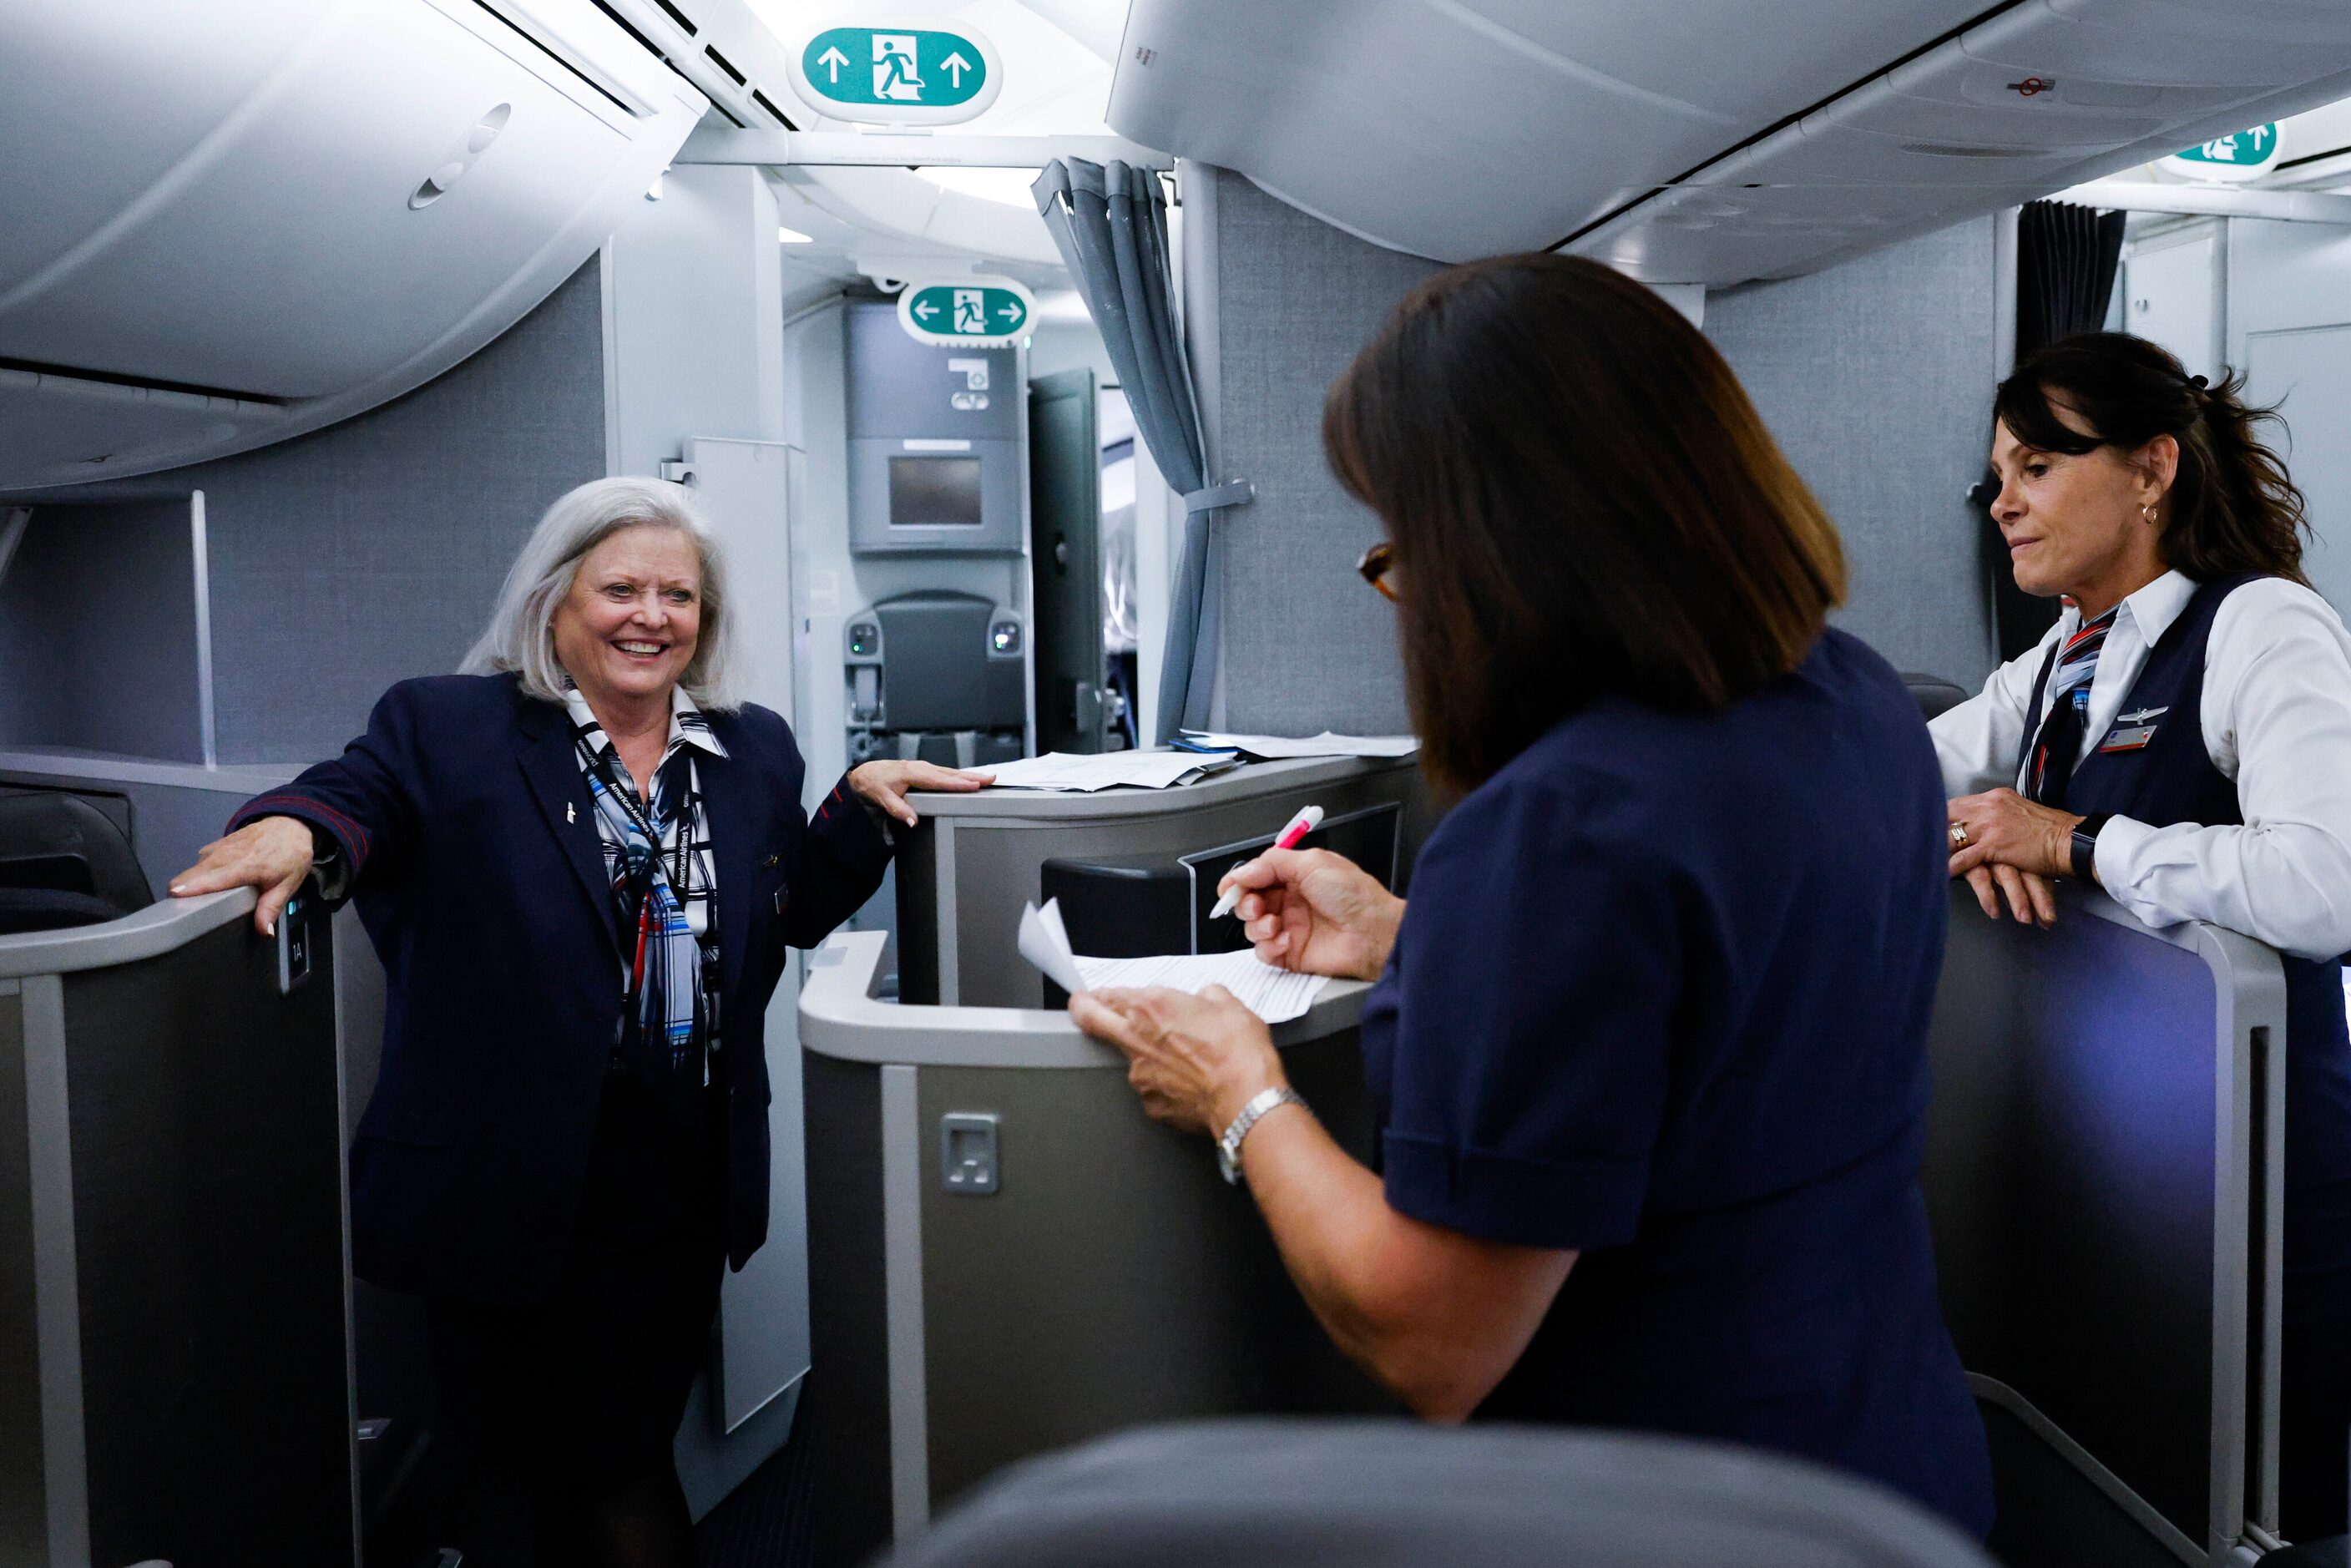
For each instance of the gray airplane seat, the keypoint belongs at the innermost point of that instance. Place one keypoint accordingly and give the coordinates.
(63, 864)
(1934, 695)
(174, 1351)
(1401, 1495)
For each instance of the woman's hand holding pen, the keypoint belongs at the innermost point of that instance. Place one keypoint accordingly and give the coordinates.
(1316, 912)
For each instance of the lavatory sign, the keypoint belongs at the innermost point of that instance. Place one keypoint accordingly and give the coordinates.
(965, 312)
(2239, 155)
(898, 74)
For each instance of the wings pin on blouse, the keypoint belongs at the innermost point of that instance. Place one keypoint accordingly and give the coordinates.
(2132, 731)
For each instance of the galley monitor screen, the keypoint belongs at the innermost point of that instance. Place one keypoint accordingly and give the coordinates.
(934, 492)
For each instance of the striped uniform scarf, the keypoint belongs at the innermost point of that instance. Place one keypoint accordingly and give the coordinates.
(2065, 705)
(657, 854)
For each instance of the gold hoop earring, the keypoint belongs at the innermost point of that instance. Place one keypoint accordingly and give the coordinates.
(2147, 511)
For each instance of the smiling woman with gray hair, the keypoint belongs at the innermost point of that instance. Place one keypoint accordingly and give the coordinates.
(581, 861)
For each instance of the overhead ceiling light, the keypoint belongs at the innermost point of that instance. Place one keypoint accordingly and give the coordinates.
(794, 237)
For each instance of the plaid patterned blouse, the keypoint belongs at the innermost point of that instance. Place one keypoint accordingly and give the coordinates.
(657, 854)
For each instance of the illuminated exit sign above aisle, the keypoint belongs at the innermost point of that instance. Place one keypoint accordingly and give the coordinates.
(965, 312)
(892, 74)
(2240, 155)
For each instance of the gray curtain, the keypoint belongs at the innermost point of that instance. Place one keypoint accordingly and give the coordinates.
(1110, 224)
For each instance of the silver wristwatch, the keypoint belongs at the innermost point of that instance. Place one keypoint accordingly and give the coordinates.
(1229, 1147)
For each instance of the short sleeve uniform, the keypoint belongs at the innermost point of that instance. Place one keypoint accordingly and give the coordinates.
(1661, 996)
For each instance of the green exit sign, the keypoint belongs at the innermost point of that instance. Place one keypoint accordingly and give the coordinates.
(965, 312)
(2246, 151)
(898, 75)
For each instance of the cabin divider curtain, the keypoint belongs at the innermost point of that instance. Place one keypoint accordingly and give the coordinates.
(2066, 258)
(1110, 224)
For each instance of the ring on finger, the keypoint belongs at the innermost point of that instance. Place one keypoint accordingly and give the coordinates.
(1959, 835)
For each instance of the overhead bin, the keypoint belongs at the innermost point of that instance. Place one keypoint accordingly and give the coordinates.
(1479, 126)
(45, 417)
(1474, 127)
(274, 215)
(2041, 96)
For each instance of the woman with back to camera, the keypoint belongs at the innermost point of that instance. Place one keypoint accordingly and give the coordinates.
(1648, 1046)
(2181, 738)
(580, 863)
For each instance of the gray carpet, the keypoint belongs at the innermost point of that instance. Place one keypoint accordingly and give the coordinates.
(765, 1522)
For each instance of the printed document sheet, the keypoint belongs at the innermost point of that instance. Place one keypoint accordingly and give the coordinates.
(1278, 747)
(1145, 770)
(1277, 996)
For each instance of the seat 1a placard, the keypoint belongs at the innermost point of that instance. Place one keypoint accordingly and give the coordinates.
(890, 73)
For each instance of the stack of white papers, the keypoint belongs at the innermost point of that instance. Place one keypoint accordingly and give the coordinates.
(1145, 770)
(1277, 996)
(1275, 748)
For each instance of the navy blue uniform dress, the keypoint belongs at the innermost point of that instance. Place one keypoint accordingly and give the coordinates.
(2171, 780)
(1661, 996)
(566, 1229)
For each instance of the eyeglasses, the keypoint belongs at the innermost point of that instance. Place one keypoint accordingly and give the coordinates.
(1378, 568)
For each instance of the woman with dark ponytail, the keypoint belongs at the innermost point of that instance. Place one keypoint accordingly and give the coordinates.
(2182, 738)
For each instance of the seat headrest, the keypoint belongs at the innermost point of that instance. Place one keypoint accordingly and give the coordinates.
(1933, 693)
(56, 842)
(1219, 1493)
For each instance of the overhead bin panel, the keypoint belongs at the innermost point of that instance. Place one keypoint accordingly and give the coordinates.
(1454, 128)
(58, 430)
(2247, 43)
(308, 208)
(98, 162)
(348, 276)
(2045, 95)
(1755, 63)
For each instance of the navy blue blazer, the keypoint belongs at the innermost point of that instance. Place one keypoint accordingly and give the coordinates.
(465, 823)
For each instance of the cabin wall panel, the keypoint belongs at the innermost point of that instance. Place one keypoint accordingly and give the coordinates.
(97, 631)
(372, 550)
(1306, 645)
(360, 555)
(1876, 377)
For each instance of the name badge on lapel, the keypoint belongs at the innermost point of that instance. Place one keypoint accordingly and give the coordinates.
(2132, 731)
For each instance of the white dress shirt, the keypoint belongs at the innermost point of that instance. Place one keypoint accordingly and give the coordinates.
(2276, 718)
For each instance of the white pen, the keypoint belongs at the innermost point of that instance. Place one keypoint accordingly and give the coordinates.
(1305, 823)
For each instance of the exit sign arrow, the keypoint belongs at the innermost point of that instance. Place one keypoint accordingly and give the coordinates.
(903, 72)
(966, 311)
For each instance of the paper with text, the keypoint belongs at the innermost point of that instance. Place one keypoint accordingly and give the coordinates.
(1279, 747)
(1145, 770)
(1277, 996)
